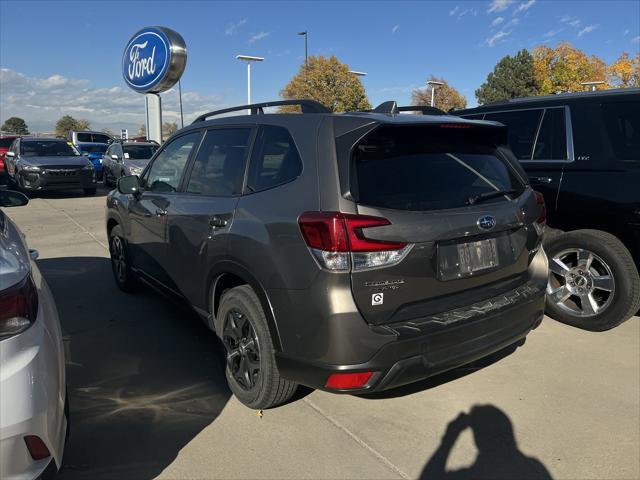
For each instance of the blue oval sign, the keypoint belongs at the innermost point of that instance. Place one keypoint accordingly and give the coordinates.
(154, 60)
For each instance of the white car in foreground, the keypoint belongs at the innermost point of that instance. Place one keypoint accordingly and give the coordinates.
(33, 418)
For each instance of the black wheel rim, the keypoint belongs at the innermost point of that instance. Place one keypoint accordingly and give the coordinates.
(118, 260)
(243, 349)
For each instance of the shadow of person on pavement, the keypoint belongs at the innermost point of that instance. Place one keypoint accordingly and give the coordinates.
(498, 454)
(144, 376)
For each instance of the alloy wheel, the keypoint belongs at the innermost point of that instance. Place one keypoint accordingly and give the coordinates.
(580, 282)
(118, 259)
(243, 349)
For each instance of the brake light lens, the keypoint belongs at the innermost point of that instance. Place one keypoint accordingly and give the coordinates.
(341, 381)
(18, 308)
(37, 449)
(338, 242)
(542, 218)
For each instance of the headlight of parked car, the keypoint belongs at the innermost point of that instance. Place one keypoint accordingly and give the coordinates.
(31, 168)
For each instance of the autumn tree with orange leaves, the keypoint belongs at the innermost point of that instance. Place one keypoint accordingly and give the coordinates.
(624, 72)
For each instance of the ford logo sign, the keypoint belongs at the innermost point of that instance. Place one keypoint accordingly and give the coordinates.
(154, 60)
(487, 222)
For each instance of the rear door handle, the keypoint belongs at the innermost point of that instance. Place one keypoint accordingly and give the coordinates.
(217, 222)
(541, 180)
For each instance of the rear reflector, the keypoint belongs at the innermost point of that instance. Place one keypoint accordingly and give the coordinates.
(334, 237)
(341, 381)
(36, 447)
(542, 217)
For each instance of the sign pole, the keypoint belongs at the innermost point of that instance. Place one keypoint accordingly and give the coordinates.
(154, 117)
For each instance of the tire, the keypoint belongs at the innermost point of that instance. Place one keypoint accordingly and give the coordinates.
(242, 327)
(90, 191)
(122, 273)
(597, 298)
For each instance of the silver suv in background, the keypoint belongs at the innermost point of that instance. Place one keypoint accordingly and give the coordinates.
(126, 158)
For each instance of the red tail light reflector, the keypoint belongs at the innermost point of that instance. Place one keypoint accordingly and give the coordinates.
(542, 218)
(37, 449)
(341, 381)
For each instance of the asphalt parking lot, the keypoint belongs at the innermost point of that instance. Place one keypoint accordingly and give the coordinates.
(148, 396)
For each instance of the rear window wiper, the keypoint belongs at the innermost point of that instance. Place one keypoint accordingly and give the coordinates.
(486, 196)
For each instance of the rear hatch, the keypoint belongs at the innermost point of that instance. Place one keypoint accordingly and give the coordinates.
(460, 240)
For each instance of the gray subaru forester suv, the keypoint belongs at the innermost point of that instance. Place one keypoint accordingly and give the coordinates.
(350, 252)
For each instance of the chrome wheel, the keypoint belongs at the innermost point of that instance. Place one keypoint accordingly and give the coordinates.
(118, 260)
(243, 349)
(580, 282)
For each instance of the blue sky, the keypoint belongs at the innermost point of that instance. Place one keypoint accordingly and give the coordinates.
(64, 56)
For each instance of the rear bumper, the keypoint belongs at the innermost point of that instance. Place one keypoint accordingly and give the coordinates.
(409, 351)
(420, 353)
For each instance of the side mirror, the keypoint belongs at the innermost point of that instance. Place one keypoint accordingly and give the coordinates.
(10, 154)
(10, 198)
(129, 185)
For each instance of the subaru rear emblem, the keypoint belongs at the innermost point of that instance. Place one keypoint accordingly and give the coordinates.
(487, 222)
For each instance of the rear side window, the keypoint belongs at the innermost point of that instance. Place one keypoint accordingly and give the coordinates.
(523, 126)
(220, 164)
(275, 160)
(552, 138)
(622, 121)
(406, 168)
(6, 142)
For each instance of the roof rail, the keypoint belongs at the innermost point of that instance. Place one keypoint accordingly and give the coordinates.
(307, 106)
(424, 109)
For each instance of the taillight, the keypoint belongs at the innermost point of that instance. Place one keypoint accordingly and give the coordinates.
(18, 308)
(338, 242)
(341, 381)
(542, 217)
(37, 448)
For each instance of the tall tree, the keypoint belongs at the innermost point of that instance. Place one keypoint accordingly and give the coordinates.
(67, 123)
(512, 77)
(168, 129)
(328, 81)
(15, 125)
(564, 68)
(625, 71)
(445, 96)
(142, 131)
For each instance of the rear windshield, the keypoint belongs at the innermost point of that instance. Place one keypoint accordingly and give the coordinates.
(47, 149)
(93, 137)
(413, 168)
(6, 142)
(139, 152)
(93, 148)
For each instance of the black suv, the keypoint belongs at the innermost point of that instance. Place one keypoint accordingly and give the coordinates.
(582, 151)
(347, 252)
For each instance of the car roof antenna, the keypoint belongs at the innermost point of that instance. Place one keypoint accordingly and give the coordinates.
(390, 108)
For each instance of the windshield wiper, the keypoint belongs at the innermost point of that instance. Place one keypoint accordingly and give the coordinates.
(486, 196)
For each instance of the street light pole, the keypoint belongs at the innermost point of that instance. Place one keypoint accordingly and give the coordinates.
(433, 84)
(306, 51)
(249, 59)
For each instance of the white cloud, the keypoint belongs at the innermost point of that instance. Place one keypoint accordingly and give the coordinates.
(497, 21)
(42, 101)
(496, 38)
(552, 33)
(587, 29)
(499, 5)
(453, 11)
(257, 37)
(395, 29)
(569, 20)
(232, 28)
(626, 32)
(524, 6)
(636, 39)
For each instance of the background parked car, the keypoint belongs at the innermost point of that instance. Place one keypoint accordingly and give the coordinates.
(582, 151)
(95, 152)
(37, 164)
(34, 414)
(5, 143)
(86, 136)
(126, 158)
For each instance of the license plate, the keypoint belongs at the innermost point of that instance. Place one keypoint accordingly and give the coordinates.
(477, 256)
